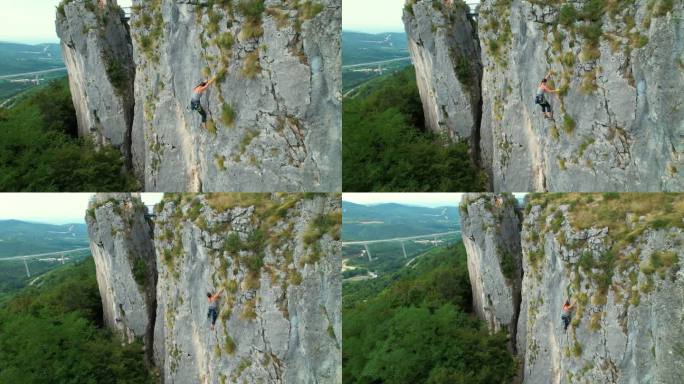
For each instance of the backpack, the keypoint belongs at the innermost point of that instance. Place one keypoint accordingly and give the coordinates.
(539, 98)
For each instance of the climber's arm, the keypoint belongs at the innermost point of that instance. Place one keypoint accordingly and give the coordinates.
(547, 89)
(217, 294)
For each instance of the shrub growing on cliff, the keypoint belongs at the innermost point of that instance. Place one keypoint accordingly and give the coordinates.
(118, 76)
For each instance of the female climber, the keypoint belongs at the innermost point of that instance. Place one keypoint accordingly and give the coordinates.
(541, 99)
(195, 103)
(213, 307)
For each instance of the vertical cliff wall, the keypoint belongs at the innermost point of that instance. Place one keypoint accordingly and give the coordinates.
(490, 229)
(121, 244)
(274, 118)
(97, 51)
(618, 122)
(277, 260)
(619, 259)
(445, 53)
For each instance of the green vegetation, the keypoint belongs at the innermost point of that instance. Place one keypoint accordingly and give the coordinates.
(53, 334)
(39, 151)
(118, 76)
(417, 328)
(623, 268)
(384, 148)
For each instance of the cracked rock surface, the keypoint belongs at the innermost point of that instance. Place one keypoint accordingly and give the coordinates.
(125, 261)
(98, 54)
(623, 275)
(490, 229)
(280, 311)
(618, 122)
(630, 331)
(441, 44)
(274, 113)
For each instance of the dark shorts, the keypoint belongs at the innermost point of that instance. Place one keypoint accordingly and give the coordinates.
(546, 107)
(212, 314)
(197, 106)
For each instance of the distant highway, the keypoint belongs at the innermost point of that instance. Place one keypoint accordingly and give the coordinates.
(42, 254)
(375, 62)
(364, 242)
(32, 73)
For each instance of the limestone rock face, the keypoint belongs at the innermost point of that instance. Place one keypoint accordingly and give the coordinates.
(619, 125)
(274, 112)
(444, 51)
(618, 122)
(276, 259)
(98, 54)
(122, 246)
(629, 293)
(490, 229)
(275, 118)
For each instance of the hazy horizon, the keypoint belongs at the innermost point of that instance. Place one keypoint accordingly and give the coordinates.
(427, 200)
(377, 16)
(31, 22)
(53, 208)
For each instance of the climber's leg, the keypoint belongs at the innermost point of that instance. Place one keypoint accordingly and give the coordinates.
(566, 322)
(546, 108)
(196, 106)
(203, 114)
(212, 314)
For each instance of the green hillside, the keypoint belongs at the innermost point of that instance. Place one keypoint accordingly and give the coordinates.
(416, 326)
(385, 147)
(53, 334)
(39, 150)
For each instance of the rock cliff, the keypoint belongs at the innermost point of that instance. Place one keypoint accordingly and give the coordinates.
(97, 51)
(274, 118)
(618, 66)
(443, 43)
(620, 262)
(490, 229)
(125, 260)
(618, 258)
(276, 259)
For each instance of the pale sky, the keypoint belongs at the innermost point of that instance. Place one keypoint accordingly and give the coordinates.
(373, 16)
(430, 200)
(31, 21)
(53, 208)
(421, 199)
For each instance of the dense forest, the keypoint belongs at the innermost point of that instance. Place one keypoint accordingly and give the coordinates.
(386, 147)
(416, 326)
(40, 150)
(53, 334)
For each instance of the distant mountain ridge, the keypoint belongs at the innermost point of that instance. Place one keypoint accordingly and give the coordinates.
(18, 58)
(359, 47)
(19, 237)
(379, 221)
